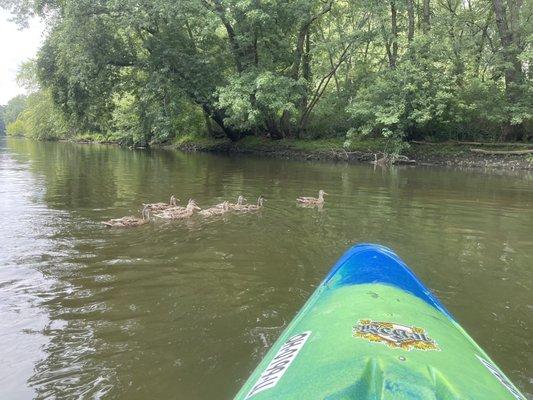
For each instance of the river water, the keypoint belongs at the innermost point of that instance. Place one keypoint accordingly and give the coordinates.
(186, 310)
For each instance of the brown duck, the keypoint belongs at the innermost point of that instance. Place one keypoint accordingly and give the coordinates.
(154, 207)
(312, 200)
(130, 221)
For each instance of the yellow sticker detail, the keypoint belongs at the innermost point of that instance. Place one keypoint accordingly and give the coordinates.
(394, 335)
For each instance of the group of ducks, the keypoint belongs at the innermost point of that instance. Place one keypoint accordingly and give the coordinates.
(171, 210)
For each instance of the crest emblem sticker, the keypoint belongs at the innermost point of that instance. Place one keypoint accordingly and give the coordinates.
(394, 335)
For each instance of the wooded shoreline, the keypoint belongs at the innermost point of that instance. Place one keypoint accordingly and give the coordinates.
(402, 71)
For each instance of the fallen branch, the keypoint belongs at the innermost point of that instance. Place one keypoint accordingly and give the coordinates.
(514, 144)
(391, 159)
(402, 160)
(504, 152)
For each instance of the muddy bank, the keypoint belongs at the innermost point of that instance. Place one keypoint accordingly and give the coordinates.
(454, 156)
(437, 154)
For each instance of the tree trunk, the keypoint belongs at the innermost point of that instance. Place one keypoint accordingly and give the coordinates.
(235, 47)
(306, 73)
(298, 52)
(426, 23)
(218, 117)
(484, 36)
(285, 124)
(208, 124)
(300, 41)
(393, 55)
(411, 20)
(509, 40)
(272, 128)
(306, 67)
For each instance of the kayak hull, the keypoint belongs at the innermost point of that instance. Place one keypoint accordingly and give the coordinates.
(372, 330)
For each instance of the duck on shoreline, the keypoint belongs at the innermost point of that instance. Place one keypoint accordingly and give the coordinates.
(130, 221)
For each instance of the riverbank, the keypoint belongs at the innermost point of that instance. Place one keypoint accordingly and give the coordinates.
(441, 154)
(495, 156)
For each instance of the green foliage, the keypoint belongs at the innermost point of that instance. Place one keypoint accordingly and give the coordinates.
(148, 72)
(2, 121)
(252, 100)
(17, 128)
(416, 98)
(40, 119)
(126, 121)
(13, 108)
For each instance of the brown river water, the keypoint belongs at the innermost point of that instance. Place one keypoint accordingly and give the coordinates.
(185, 310)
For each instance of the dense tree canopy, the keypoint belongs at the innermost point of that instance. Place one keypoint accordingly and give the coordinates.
(13, 108)
(2, 121)
(403, 69)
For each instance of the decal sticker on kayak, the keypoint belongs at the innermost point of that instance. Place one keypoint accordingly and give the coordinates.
(501, 377)
(280, 363)
(394, 335)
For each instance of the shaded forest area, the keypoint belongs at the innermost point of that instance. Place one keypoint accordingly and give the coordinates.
(141, 72)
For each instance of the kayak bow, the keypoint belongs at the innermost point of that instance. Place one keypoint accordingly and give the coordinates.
(372, 330)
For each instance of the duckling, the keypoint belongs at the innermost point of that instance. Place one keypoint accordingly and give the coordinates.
(179, 212)
(253, 207)
(312, 200)
(130, 221)
(163, 206)
(219, 209)
(240, 203)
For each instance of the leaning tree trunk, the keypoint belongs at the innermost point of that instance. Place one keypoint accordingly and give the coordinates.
(218, 116)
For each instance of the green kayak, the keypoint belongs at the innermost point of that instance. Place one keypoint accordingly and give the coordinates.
(373, 331)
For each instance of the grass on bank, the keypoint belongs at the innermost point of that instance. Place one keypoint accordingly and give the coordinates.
(260, 144)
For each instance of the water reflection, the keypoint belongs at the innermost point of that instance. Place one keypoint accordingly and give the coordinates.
(186, 309)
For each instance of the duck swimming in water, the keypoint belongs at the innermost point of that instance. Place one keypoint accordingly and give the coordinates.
(312, 200)
(130, 221)
(179, 212)
(253, 207)
(163, 206)
(240, 203)
(219, 209)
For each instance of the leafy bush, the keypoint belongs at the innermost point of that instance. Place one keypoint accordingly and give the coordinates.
(255, 100)
(40, 119)
(17, 128)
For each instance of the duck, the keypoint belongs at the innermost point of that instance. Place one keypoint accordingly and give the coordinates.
(219, 209)
(240, 203)
(383, 161)
(253, 207)
(130, 221)
(163, 206)
(179, 212)
(313, 200)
